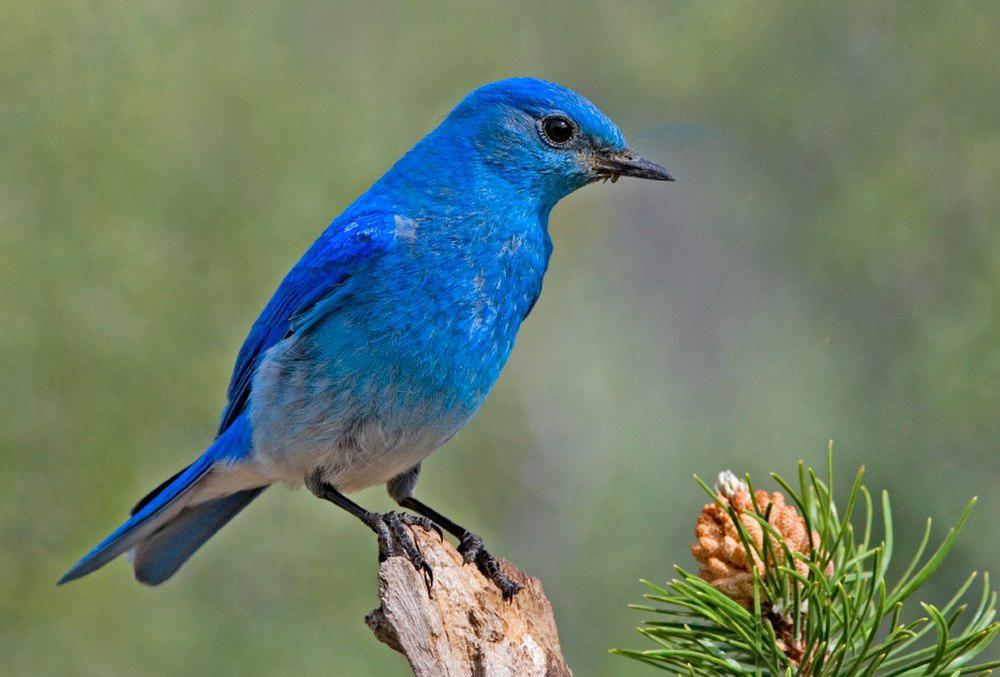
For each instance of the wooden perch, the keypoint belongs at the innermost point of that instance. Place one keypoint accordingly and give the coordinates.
(464, 627)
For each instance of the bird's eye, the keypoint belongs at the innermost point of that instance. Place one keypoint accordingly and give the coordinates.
(558, 130)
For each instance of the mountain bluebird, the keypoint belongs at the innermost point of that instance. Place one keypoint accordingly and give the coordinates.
(383, 340)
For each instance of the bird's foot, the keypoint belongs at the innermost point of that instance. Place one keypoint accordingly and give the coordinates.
(471, 548)
(395, 540)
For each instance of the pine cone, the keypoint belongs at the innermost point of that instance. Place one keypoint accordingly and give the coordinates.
(719, 549)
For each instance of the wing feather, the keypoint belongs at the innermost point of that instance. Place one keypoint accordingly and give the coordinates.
(347, 244)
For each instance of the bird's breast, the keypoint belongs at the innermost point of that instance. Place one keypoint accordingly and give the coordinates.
(458, 310)
(424, 333)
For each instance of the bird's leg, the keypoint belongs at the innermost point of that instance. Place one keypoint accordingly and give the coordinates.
(469, 545)
(394, 540)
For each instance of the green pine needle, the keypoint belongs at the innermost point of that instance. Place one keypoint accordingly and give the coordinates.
(843, 623)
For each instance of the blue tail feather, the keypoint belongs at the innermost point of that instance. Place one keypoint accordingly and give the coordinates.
(232, 445)
(160, 555)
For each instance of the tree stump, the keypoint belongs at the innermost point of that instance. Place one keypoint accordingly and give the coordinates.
(464, 627)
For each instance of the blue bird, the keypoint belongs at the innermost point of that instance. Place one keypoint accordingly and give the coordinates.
(384, 339)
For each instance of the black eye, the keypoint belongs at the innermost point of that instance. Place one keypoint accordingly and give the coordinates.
(557, 129)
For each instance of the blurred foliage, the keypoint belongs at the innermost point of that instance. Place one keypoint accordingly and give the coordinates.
(828, 265)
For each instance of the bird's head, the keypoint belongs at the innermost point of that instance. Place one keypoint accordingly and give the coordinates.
(543, 138)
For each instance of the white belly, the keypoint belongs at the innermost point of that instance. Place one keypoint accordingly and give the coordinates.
(366, 456)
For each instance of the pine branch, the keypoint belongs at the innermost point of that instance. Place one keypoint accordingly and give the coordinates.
(789, 591)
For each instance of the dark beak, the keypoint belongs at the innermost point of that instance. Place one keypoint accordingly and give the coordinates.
(627, 163)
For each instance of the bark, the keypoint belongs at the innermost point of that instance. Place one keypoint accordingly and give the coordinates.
(463, 627)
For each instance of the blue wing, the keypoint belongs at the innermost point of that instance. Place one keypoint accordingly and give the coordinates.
(347, 243)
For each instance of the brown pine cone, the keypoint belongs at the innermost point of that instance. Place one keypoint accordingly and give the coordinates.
(719, 549)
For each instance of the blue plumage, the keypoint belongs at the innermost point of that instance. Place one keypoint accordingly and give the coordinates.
(384, 339)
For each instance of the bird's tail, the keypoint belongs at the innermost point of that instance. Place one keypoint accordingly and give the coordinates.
(166, 527)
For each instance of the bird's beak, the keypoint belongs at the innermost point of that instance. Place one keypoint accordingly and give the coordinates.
(627, 163)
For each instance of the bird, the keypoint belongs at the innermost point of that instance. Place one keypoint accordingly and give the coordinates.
(383, 340)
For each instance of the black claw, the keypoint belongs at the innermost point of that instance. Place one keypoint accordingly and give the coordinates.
(399, 535)
(428, 578)
(489, 567)
(472, 550)
(420, 521)
(508, 589)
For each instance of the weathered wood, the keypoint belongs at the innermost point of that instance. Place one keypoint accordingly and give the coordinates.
(464, 627)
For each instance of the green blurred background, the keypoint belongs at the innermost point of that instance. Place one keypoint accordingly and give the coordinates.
(827, 266)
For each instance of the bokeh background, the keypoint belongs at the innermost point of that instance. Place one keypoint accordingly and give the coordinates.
(827, 266)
